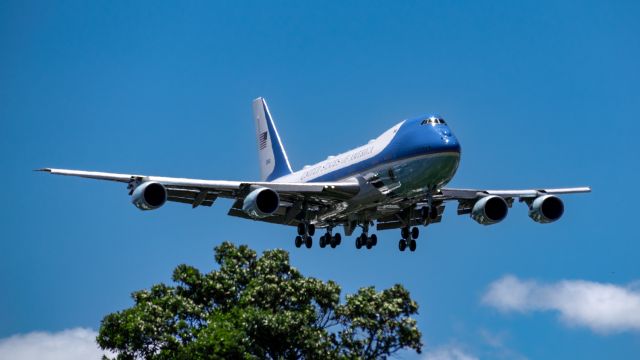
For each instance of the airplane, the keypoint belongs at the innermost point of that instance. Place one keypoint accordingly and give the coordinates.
(396, 181)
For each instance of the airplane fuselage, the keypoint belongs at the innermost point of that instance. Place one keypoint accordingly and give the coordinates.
(413, 157)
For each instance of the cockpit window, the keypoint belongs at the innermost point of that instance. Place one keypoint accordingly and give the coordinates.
(432, 121)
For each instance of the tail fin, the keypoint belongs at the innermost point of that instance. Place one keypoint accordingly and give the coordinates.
(273, 159)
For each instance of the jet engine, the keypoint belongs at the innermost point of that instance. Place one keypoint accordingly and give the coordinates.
(149, 196)
(546, 209)
(261, 202)
(489, 210)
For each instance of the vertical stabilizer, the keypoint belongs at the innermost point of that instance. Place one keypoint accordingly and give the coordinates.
(273, 159)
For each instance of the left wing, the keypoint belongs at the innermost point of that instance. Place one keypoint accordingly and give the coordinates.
(466, 194)
(490, 206)
(293, 196)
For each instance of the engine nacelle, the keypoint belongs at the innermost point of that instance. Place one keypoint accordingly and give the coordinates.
(261, 202)
(489, 210)
(546, 209)
(149, 196)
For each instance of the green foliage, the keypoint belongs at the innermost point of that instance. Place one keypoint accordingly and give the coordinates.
(259, 308)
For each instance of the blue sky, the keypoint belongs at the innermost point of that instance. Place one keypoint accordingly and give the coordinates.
(540, 94)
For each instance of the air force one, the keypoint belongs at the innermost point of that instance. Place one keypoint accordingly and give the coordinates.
(396, 181)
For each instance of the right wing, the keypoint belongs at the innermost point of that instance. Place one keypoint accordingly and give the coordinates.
(294, 196)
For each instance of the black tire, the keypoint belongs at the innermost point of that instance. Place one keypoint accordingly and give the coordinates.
(323, 240)
(311, 229)
(415, 232)
(298, 241)
(374, 239)
(402, 244)
(333, 242)
(301, 229)
(338, 238)
(358, 243)
(412, 245)
(308, 242)
(405, 232)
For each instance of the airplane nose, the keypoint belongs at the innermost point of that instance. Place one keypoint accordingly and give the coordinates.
(451, 143)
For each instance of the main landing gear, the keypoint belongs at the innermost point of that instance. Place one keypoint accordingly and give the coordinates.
(306, 231)
(331, 240)
(365, 240)
(409, 237)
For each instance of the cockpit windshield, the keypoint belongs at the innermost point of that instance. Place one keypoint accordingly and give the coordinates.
(433, 120)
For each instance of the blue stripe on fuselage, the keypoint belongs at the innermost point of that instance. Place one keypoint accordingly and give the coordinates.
(411, 140)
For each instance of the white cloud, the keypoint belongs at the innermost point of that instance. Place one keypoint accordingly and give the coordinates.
(449, 352)
(604, 308)
(69, 344)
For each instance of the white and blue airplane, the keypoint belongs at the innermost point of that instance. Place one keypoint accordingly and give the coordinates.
(395, 181)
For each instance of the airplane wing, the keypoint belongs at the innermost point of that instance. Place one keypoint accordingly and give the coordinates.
(293, 196)
(406, 213)
(469, 194)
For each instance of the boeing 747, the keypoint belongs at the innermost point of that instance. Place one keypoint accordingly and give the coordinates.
(396, 181)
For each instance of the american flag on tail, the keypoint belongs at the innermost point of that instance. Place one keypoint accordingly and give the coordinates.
(262, 139)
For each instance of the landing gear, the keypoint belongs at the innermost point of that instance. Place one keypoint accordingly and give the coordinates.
(409, 237)
(305, 233)
(323, 240)
(331, 240)
(360, 241)
(402, 244)
(404, 232)
(366, 240)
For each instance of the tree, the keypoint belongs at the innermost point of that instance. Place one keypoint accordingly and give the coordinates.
(259, 307)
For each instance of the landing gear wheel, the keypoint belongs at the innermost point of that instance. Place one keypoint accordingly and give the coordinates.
(412, 245)
(404, 232)
(369, 243)
(301, 229)
(298, 241)
(323, 240)
(402, 244)
(333, 242)
(311, 229)
(337, 238)
(374, 240)
(415, 232)
(358, 243)
(308, 241)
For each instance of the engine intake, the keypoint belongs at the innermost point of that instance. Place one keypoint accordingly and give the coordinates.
(546, 209)
(149, 196)
(261, 202)
(489, 210)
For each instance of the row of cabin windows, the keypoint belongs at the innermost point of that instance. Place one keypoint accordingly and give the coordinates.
(432, 121)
